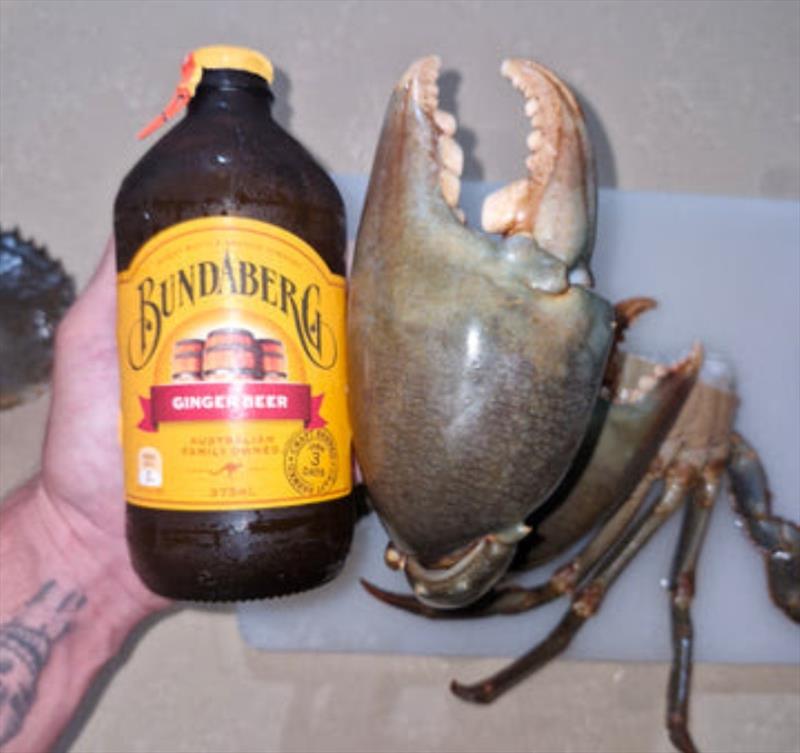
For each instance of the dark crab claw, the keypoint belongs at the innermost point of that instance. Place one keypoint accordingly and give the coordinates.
(475, 362)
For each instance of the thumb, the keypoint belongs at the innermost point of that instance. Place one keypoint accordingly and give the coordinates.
(85, 366)
(94, 313)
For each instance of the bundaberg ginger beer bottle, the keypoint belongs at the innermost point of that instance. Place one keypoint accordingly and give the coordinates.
(230, 244)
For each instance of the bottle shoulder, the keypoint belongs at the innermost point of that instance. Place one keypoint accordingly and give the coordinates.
(221, 164)
(220, 156)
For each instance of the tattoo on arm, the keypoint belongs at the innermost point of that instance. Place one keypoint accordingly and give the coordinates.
(25, 644)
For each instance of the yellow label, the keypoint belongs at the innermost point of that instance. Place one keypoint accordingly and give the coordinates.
(233, 366)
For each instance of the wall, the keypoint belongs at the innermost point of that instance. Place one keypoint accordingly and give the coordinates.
(681, 96)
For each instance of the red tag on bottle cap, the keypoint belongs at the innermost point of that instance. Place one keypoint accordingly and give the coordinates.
(190, 76)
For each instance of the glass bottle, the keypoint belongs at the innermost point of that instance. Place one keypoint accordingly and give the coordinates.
(230, 243)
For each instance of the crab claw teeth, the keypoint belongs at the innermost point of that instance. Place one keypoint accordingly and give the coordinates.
(451, 155)
(556, 202)
(506, 208)
(445, 122)
(646, 376)
(451, 187)
(420, 79)
(531, 107)
(419, 84)
(534, 140)
(691, 363)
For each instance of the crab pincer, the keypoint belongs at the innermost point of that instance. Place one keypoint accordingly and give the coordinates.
(475, 361)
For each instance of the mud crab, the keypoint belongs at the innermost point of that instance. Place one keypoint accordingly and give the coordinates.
(496, 422)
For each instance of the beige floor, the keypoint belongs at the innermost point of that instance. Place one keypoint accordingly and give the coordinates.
(217, 694)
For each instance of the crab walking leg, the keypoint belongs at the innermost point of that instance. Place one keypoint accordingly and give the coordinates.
(566, 578)
(687, 552)
(777, 538)
(587, 599)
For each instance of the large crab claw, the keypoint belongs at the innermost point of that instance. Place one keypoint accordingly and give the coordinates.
(475, 362)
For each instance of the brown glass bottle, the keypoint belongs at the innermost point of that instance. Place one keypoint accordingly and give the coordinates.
(228, 157)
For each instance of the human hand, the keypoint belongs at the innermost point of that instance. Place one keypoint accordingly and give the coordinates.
(82, 463)
(69, 595)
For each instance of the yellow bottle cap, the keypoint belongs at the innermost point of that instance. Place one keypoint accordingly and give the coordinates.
(216, 56)
(238, 58)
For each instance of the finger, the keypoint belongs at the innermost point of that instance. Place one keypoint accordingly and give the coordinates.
(86, 341)
(94, 313)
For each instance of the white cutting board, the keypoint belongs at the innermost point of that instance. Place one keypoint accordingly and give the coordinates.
(726, 272)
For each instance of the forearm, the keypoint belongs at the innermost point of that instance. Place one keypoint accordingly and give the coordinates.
(66, 605)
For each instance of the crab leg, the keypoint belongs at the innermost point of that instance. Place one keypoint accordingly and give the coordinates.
(693, 458)
(588, 598)
(777, 538)
(566, 578)
(693, 531)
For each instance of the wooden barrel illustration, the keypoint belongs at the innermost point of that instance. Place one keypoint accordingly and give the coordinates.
(187, 361)
(231, 355)
(230, 336)
(273, 360)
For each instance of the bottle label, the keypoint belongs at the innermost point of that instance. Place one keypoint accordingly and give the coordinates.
(233, 367)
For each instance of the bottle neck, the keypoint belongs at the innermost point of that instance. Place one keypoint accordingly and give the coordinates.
(232, 90)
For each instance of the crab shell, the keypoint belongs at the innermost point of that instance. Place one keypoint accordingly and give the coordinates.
(475, 361)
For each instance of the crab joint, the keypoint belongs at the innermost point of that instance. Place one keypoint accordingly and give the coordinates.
(587, 604)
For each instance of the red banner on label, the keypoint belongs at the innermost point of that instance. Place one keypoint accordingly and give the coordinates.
(230, 401)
